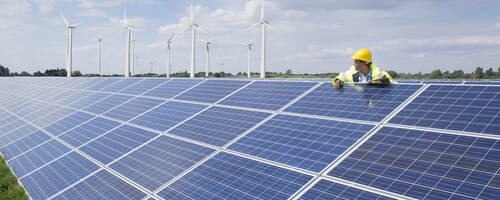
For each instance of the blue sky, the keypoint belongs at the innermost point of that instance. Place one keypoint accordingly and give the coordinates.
(312, 36)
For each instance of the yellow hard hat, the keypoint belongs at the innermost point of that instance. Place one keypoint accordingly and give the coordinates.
(363, 54)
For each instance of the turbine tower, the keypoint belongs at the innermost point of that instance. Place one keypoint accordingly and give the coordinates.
(250, 45)
(129, 35)
(193, 41)
(263, 47)
(69, 45)
(133, 58)
(207, 43)
(169, 67)
(99, 41)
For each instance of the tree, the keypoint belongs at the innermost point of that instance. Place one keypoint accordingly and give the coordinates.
(288, 71)
(4, 71)
(393, 73)
(457, 74)
(490, 73)
(24, 73)
(38, 73)
(478, 73)
(436, 74)
(76, 73)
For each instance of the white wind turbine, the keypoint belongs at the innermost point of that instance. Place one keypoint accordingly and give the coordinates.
(250, 45)
(207, 43)
(193, 41)
(129, 28)
(265, 24)
(99, 41)
(169, 67)
(69, 45)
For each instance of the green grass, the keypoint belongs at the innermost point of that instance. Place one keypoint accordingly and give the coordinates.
(9, 187)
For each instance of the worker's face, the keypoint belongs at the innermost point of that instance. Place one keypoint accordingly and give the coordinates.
(360, 64)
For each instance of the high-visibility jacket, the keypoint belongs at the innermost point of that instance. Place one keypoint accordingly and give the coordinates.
(352, 75)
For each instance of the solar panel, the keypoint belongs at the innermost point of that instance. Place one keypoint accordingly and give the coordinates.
(173, 87)
(133, 108)
(88, 131)
(454, 107)
(211, 91)
(68, 123)
(74, 97)
(84, 102)
(227, 176)
(104, 83)
(54, 115)
(15, 133)
(116, 143)
(123, 83)
(307, 143)
(143, 86)
(359, 102)
(167, 115)
(159, 161)
(107, 103)
(425, 165)
(268, 94)
(325, 189)
(24, 144)
(217, 126)
(102, 185)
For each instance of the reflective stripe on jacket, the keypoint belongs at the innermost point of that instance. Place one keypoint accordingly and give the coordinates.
(352, 75)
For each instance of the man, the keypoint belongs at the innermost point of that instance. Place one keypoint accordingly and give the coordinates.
(363, 71)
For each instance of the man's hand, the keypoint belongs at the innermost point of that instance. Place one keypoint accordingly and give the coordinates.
(383, 80)
(339, 83)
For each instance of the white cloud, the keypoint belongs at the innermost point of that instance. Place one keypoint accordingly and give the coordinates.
(498, 25)
(46, 6)
(92, 13)
(316, 52)
(13, 12)
(420, 55)
(111, 3)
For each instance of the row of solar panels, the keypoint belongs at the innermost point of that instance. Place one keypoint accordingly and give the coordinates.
(261, 139)
(452, 81)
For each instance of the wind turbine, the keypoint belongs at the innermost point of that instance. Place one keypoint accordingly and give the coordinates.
(169, 41)
(69, 45)
(193, 41)
(99, 40)
(250, 45)
(133, 58)
(208, 43)
(129, 35)
(263, 50)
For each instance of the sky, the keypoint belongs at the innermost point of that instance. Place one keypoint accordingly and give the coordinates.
(313, 36)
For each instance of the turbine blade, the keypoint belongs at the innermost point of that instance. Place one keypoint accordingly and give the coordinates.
(74, 25)
(262, 10)
(251, 41)
(64, 19)
(184, 29)
(120, 34)
(124, 17)
(191, 13)
(253, 26)
(272, 27)
(199, 29)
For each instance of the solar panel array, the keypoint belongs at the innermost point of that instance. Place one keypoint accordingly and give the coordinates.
(155, 138)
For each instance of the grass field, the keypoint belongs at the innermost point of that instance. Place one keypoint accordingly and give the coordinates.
(9, 187)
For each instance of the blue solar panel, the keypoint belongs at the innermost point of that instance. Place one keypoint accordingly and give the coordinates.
(91, 82)
(329, 190)
(54, 115)
(116, 143)
(211, 91)
(58, 175)
(107, 103)
(88, 100)
(268, 94)
(133, 108)
(217, 126)
(123, 83)
(227, 176)
(442, 81)
(483, 82)
(104, 83)
(173, 87)
(88, 131)
(72, 98)
(463, 108)
(168, 115)
(15, 133)
(102, 185)
(361, 102)
(31, 160)
(24, 144)
(426, 165)
(302, 142)
(143, 86)
(67, 123)
(159, 161)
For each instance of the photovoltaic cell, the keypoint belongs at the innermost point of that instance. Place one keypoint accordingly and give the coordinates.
(268, 94)
(329, 190)
(361, 102)
(104, 83)
(58, 175)
(102, 185)
(454, 107)
(88, 100)
(217, 126)
(54, 115)
(107, 103)
(167, 115)
(24, 144)
(307, 143)
(35, 158)
(159, 161)
(74, 97)
(16, 133)
(88, 131)
(123, 83)
(227, 176)
(68, 123)
(116, 143)
(172, 88)
(143, 86)
(425, 165)
(483, 82)
(211, 91)
(133, 108)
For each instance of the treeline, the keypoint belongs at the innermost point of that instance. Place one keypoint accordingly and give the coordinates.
(479, 73)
